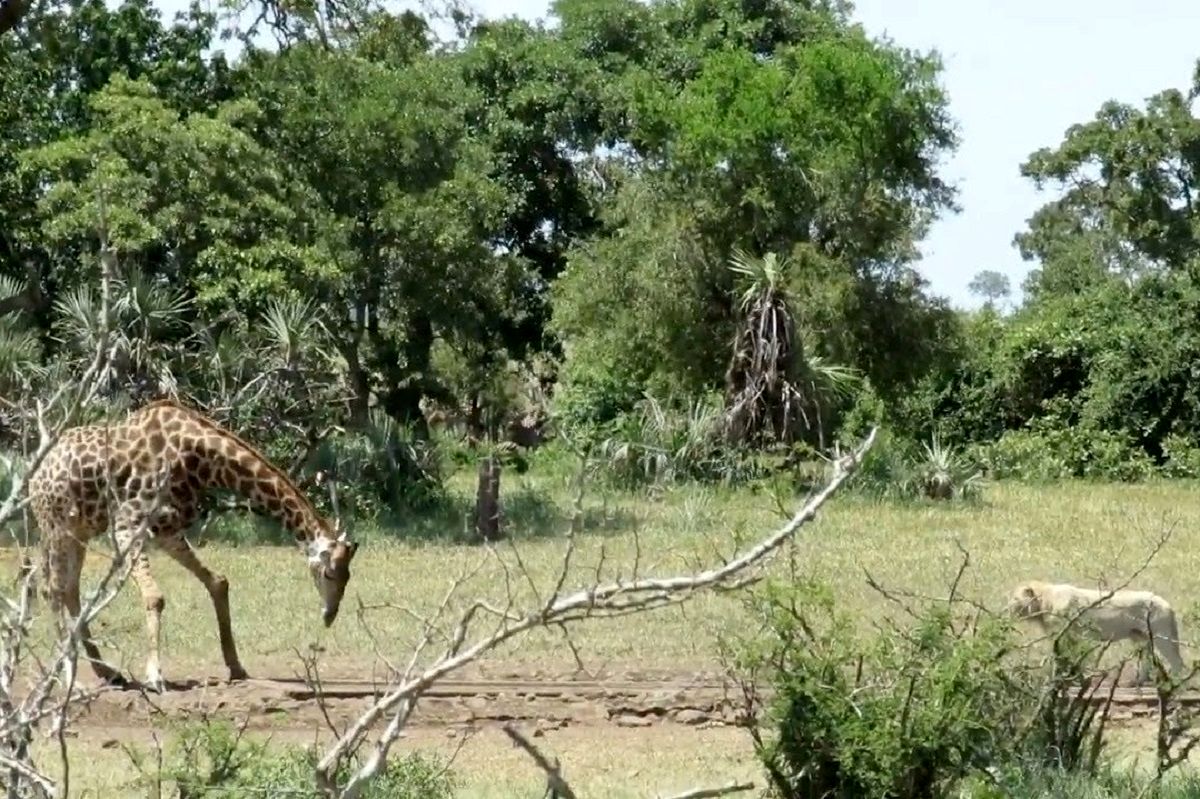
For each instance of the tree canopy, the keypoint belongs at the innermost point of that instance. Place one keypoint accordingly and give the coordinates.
(578, 213)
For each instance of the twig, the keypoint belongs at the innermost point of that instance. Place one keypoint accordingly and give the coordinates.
(556, 784)
(707, 793)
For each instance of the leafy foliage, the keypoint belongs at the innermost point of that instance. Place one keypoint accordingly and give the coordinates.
(660, 445)
(213, 758)
(336, 244)
(925, 707)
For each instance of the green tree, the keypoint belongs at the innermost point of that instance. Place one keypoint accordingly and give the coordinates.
(991, 285)
(191, 199)
(1097, 365)
(1128, 180)
(416, 218)
(50, 69)
(824, 152)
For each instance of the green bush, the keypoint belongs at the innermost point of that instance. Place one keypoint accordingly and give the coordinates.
(657, 443)
(383, 468)
(914, 711)
(1048, 451)
(1181, 457)
(589, 398)
(897, 468)
(212, 759)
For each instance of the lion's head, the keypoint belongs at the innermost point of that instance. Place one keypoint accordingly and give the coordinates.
(1025, 601)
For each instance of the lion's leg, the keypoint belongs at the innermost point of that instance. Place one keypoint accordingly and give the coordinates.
(1142, 640)
(1166, 642)
(1143, 670)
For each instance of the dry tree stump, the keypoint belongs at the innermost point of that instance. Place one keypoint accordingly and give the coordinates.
(486, 521)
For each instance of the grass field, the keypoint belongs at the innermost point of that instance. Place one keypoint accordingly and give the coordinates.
(1081, 532)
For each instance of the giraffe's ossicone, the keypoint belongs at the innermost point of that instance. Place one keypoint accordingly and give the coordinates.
(150, 473)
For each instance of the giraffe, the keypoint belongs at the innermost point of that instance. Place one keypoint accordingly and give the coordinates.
(150, 472)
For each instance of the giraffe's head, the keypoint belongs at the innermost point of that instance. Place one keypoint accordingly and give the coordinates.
(329, 562)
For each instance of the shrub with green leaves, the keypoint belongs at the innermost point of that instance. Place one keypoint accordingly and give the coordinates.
(214, 760)
(918, 709)
(1051, 451)
(383, 467)
(658, 443)
(897, 469)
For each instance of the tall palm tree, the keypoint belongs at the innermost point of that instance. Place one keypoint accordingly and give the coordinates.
(771, 387)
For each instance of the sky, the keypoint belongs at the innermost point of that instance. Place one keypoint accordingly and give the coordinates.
(1018, 73)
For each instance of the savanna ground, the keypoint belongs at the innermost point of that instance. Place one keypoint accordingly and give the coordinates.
(1071, 531)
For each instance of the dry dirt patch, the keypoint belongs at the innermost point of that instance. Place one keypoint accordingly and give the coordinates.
(545, 701)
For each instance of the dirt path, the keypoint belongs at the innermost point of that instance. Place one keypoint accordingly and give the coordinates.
(546, 702)
(549, 703)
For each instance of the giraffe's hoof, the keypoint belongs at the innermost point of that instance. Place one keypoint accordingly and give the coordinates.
(238, 674)
(154, 681)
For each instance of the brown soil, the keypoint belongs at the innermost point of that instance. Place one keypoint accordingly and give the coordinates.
(542, 700)
(545, 701)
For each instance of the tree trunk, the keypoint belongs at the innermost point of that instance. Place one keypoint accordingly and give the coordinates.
(487, 501)
(360, 387)
(406, 370)
(11, 12)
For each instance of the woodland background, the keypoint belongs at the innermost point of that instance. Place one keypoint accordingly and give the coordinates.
(685, 229)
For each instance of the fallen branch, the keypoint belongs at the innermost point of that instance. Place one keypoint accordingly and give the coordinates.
(708, 793)
(556, 784)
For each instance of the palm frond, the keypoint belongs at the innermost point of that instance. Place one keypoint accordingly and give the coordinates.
(78, 312)
(152, 306)
(289, 324)
(20, 353)
(10, 287)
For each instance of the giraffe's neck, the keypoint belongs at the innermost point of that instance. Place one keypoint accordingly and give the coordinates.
(215, 457)
(268, 491)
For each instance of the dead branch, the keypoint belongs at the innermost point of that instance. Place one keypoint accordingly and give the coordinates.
(599, 600)
(707, 793)
(556, 784)
(21, 717)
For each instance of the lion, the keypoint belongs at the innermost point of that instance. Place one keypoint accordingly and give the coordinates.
(1109, 616)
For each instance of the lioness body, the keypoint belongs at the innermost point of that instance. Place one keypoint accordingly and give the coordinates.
(1110, 616)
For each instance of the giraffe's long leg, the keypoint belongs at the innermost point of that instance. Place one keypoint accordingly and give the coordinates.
(218, 590)
(65, 556)
(154, 602)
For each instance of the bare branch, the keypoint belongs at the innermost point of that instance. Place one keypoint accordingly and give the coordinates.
(21, 717)
(707, 793)
(556, 784)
